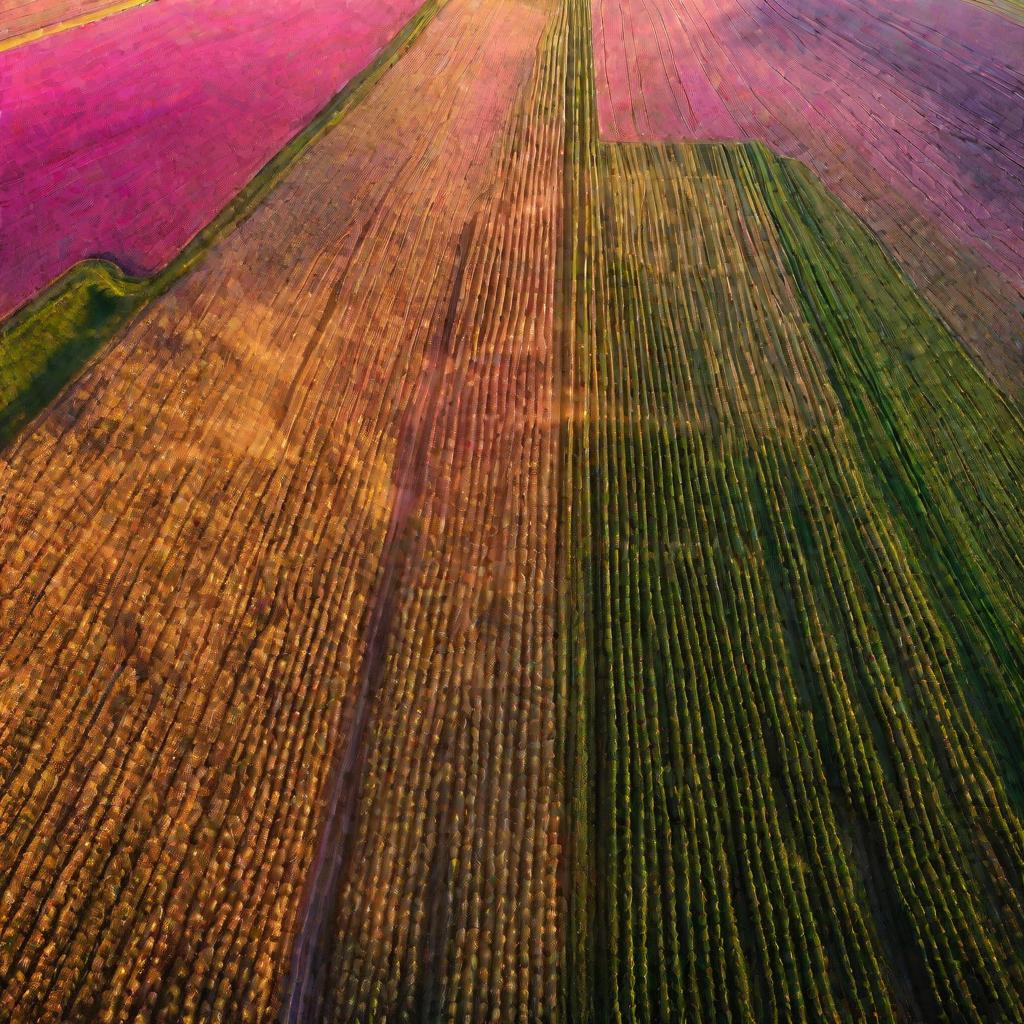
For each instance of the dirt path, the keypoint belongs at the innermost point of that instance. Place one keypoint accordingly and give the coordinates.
(304, 994)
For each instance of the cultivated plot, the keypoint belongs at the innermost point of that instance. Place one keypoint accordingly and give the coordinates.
(253, 506)
(911, 114)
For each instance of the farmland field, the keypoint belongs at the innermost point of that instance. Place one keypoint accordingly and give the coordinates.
(910, 113)
(538, 554)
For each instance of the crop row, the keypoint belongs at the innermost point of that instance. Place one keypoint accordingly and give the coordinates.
(448, 908)
(451, 910)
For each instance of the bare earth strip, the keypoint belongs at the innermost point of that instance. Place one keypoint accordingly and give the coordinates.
(194, 539)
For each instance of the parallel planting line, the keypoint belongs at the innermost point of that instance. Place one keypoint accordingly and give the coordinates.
(307, 977)
(43, 31)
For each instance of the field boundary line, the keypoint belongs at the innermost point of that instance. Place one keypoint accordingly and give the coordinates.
(45, 31)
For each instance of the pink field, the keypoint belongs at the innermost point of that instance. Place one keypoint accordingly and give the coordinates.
(908, 110)
(125, 137)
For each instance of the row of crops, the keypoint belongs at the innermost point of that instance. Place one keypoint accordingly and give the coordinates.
(792, 653)
(448, 903)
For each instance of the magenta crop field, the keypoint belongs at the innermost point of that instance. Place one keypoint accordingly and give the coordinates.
(912, 113)
(126, 142)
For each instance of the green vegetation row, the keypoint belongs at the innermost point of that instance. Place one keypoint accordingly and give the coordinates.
(792, 625)
(46, 342)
